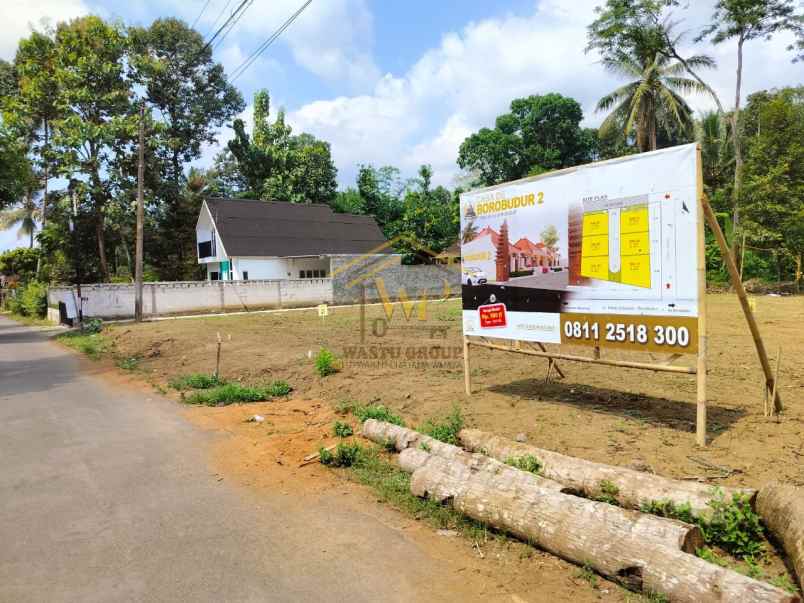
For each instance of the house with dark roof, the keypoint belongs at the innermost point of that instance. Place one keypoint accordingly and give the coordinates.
(244, 239)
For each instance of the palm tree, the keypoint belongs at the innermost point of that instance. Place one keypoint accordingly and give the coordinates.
(652, 99)
(26, 214)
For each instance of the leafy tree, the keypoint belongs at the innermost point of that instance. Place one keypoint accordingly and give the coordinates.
(550, 237)
(188, 91)
(380, 190)
(349, 202)
(224, 178)
(15, 169)
(539, 133)
(19, 262)
(8, 80)
(97, 119)
(774, 175)
(746, 20)
(24, 217)
(651, 103)
(279, 166)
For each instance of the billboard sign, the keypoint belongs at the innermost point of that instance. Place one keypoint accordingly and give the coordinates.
(603, 254)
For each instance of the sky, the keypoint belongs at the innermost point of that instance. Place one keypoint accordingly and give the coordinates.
(392, 82)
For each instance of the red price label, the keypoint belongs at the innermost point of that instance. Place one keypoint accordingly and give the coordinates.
(492, 316)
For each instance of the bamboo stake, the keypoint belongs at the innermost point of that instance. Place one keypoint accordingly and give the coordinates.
(555, 366)
(741, 295)
(776, 374)
(467, 378)
(218, 358)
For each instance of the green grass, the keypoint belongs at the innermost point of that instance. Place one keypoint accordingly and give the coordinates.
(608, 493)
(325, 363)
(527, 463)
(445, 430)
(378, 412)
(342, 430)
(195, 381)
(131, 363)
(230, 393)
(345, 455)
(93, 345)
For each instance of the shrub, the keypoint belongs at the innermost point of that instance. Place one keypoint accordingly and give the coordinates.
(279, 388)
(342, 430)
(345, 455)
(608, 492)
(325, 363)
(195, 381)
(30, 300)
(527, 463)
(378, 412)
(446, 430)
(92, 325)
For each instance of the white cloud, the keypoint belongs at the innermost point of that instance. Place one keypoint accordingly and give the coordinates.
(20, 16)
(472, 75)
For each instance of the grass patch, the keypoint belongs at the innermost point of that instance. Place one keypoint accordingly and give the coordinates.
(325, 363)
(378, 412)
(342, 430)
(93, 345)
(128, 364)
(392, 486)
(195, 381)
(445, 430)
(733, 525)
(527, 463)
(230, 393)
(608, 493)
(345, 455)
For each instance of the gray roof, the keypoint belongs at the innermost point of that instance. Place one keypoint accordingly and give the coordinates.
(273, 228)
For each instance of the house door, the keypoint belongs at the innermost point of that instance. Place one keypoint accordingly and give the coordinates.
(225, 271)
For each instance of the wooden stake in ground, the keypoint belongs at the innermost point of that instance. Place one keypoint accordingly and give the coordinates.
(596, 479)
(626, 546)
(703, 339)
(740, 290)
(782, 509)
(218, 358)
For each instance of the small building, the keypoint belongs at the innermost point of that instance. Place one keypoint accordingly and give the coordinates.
(244, 239)
(525, 256)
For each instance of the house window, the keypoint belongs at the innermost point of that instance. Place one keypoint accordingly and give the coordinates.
(323, 274)
(301, 273)
(205, 249)
(214, 276)
(245, 275)
(309, 274)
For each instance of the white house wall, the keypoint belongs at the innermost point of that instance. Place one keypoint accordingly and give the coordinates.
(260, 268)
(205, 231)
(480, 253)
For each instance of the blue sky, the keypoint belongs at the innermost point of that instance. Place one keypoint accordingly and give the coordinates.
(404, 82)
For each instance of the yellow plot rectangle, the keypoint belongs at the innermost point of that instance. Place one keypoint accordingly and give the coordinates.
(634, 219)
(594, 246)
(595, 267)
(635, 244)
(595, 223)
(635, 270)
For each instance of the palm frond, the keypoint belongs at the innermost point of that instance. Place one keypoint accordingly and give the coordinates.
(10, 217)
(685, 85)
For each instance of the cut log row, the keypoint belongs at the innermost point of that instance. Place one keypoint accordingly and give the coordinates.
(782, 509)
(586, 477)
(443, 479)
(619, 544)
(407, 439)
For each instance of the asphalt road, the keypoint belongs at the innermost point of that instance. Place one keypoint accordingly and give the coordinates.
(549, 280)
(106, 495)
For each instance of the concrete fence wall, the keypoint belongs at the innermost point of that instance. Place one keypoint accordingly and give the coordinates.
(351, 273)
(159, 299)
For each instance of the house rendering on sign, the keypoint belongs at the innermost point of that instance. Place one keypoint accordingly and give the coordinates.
(242, 239)
(524, 256)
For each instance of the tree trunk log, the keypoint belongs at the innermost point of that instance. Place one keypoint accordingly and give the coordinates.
(408, 439)
(587, 477)
(782, 509)
(622, 545)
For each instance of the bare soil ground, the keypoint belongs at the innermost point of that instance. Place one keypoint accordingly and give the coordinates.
(619, 416)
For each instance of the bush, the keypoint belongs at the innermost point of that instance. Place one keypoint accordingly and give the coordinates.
(279, 388)
(325, 363)
(195, 381)
(30, 300)
(342, 430)
(345, 455)
(92, 325)
(446, 430)
(378, 412)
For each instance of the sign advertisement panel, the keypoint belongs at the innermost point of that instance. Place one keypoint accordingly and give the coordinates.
(603, 254)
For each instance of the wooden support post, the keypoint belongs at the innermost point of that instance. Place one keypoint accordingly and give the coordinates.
(138, 270)
(703, 339)
(467, 378)
(555, 366)
(741, 295)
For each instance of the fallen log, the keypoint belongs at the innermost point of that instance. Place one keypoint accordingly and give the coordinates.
(622, 545)
(782, 510)
(403, 439)
(595, 479)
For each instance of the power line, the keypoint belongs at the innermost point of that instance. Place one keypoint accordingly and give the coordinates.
(199, 14)
(262, 47)
(220, 29)
(232, 26)
(220, 14)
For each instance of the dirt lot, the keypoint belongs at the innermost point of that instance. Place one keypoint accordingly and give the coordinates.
(618, 416)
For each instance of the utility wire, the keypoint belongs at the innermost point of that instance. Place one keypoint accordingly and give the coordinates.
(218, 18)
(221, 28)
(262, 47)
(232, 26)
(201, 13)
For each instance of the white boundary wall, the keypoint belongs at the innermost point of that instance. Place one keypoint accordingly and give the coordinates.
(189, 297)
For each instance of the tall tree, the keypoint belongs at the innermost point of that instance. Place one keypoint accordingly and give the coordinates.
(652, 101)
(96, 121)
(23, 217)
(191, 99)
(746, 20)
(539, 133)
